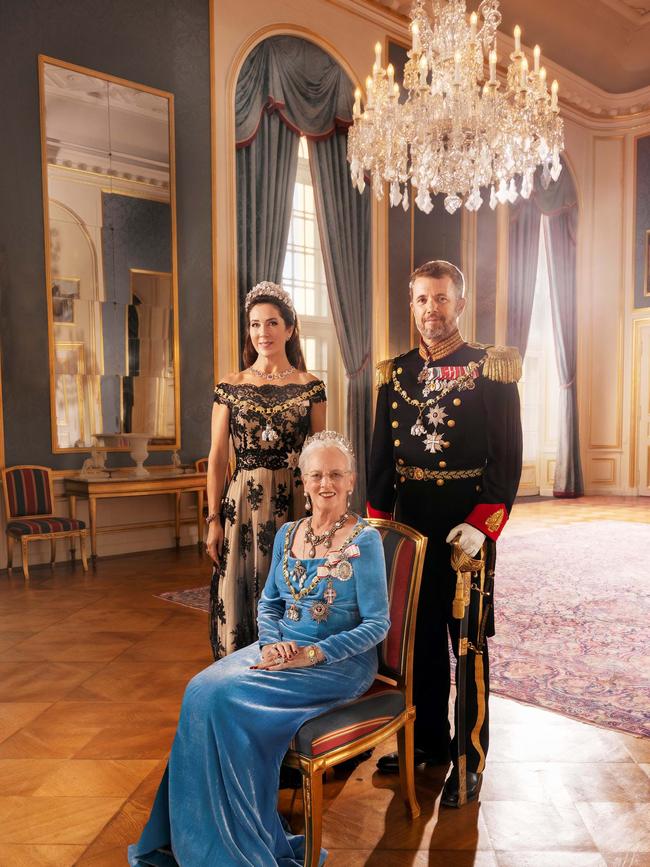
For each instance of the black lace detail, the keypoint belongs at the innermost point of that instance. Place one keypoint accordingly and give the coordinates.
(283, 408)
(229, 510)
(280, 501)
(245, 539)
(265, 536)
(254, 495)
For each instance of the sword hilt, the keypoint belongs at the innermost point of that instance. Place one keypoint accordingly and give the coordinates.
(462, 563)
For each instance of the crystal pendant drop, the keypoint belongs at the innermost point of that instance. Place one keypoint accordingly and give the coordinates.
(395, 194)
(423, 201)
(452, 203)
(493, 198)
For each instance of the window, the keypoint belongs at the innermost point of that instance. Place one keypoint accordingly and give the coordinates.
(304, 278)
(540, 389)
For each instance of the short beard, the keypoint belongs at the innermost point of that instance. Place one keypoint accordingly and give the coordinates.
(439, 331)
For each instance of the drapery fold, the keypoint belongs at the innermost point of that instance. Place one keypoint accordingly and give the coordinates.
(296, 80)
(344, 223)
(559, 206)
(266, 175)
(523, 253)
(290, 87)
(560, 236)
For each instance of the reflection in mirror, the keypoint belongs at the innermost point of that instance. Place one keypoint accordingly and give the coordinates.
(108, 182)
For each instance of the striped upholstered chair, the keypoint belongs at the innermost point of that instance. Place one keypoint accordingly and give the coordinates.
(29, 509)
(387, 708)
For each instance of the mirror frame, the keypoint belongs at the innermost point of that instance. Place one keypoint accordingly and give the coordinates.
(44, 60)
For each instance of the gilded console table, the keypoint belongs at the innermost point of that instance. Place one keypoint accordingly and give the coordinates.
(128, 486)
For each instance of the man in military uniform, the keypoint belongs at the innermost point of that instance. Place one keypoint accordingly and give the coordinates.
(446, 460)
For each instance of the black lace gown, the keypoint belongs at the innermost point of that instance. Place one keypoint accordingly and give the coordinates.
(268, 426)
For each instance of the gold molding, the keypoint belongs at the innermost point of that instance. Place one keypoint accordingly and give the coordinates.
(616, 380)
(468, 251)
(43, 60)
(637, 325)
(230, 231)
(2, 420)
(214, 186)
(612, 479)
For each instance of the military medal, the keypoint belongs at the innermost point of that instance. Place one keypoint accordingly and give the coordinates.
(330, 593)
(319, 611)
(293, 612)
(343, 570)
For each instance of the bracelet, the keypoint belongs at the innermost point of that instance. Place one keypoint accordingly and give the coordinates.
(211, 517)
(312, 653)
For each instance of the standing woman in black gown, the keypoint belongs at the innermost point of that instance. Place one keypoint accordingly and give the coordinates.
(268, 409)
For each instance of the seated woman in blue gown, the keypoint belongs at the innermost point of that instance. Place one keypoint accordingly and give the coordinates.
(323, 611)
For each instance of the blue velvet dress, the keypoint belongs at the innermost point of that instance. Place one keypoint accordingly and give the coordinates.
(217, 802)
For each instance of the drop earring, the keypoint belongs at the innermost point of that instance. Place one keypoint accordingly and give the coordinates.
(349, 501)
(307, 503)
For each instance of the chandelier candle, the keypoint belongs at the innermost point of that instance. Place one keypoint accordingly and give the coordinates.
(458, 132)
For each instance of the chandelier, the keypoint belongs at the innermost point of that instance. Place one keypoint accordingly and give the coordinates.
(459, 129)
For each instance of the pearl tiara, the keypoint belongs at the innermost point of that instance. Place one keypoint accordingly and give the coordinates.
(268, 289)
(330, 436)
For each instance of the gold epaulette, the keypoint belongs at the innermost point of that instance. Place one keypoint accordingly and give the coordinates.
(384, 372)
(503, 364)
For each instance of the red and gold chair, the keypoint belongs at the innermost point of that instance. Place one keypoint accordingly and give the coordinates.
(385, 709)
(29, 508)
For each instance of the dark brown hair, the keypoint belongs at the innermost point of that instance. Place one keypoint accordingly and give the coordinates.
(293, 350)
(438, 268)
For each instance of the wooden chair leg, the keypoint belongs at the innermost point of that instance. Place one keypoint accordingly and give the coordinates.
(82, 551)
(52, 552)
(405, 748)
(24, 542)
(312, 793)
(10, 552)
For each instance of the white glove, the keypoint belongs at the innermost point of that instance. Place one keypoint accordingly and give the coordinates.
(470, 540)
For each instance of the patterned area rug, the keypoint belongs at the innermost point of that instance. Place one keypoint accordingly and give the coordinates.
(572, 620)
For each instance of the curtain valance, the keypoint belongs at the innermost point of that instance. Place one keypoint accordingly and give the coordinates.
(297, 80)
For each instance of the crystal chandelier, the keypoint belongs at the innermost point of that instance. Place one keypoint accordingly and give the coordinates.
(458, 129)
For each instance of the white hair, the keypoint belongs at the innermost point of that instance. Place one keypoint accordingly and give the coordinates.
(326, 440)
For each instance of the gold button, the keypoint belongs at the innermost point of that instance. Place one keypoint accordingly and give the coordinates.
(395, 423)
(457, 401)
(442, 464)
(451, 423)
(446, 444)
(402, 479)
(399, 370)
(440, 482)
(478, 488)
(396, 443)
(394, 404)
(400, 461)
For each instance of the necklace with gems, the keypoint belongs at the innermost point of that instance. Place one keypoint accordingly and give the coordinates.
(281, 374)
(326, 537)
(320, 608)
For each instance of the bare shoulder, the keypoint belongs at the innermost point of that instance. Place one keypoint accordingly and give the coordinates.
(305, 377)
(234, 378)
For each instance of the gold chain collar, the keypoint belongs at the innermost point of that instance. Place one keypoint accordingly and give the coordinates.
(270, 411)
(290, 535)
(449, 385)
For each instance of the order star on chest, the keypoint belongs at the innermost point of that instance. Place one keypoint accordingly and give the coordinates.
(433, 443)
(436, 415)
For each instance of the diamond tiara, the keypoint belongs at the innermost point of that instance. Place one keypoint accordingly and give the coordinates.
(266, 288)
(330, 436)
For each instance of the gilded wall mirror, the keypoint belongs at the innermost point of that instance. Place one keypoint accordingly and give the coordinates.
(110, 245)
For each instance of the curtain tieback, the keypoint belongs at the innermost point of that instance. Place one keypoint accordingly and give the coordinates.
(568, 384)
(361, 368)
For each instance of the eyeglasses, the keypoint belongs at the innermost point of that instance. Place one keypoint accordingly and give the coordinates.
(335, 476)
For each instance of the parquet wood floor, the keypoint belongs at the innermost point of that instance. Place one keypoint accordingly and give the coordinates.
(92, 670)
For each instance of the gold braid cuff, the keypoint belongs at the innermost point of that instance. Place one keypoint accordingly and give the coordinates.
(503, 364)
(384, 372)
(420, 474)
